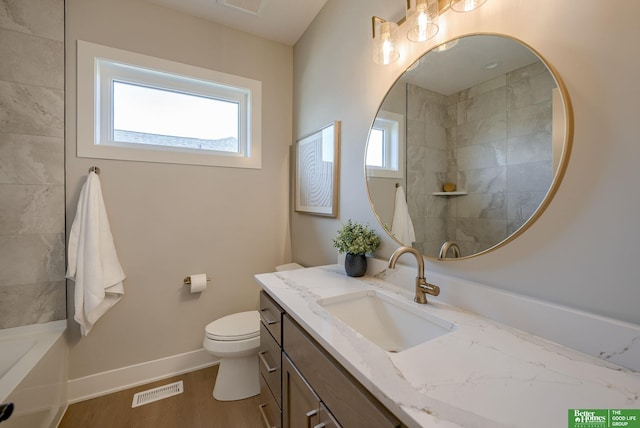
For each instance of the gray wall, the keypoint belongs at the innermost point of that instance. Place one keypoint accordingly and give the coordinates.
(582, 252)
(167, 220)
(32, 286)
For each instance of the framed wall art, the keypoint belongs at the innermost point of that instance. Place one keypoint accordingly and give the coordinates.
(317, 171)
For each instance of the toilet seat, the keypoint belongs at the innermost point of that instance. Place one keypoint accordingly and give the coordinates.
(239, 326)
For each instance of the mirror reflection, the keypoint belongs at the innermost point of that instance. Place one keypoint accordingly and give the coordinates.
(465, 147)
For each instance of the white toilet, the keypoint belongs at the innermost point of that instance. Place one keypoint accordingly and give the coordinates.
(235, 339)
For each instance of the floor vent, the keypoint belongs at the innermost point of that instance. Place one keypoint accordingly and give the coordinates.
(155, 394)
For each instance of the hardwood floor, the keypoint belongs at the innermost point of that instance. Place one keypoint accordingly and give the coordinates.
(194, 408)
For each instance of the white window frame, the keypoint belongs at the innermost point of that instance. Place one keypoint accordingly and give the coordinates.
(98, 66)
(393, 145)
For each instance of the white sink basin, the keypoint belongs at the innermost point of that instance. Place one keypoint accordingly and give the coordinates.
(390, 323)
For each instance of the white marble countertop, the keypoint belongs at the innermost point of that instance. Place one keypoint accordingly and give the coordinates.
(482, 374)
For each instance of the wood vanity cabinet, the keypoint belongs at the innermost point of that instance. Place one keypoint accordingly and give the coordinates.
(344, 397)
(326, 419)
(301, 406)
(306, 387)
(270, 362)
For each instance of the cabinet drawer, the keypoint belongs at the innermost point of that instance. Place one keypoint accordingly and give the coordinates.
(351, 404)
(269, 410)
(270, 363)
(271, 316)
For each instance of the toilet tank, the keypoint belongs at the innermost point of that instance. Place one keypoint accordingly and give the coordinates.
(288, 266)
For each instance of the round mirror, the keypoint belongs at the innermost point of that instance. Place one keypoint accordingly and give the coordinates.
(468, 147)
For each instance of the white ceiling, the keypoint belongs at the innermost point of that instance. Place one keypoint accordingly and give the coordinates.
(282, 21)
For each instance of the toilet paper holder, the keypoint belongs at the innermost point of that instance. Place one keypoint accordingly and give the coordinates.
(187, 280)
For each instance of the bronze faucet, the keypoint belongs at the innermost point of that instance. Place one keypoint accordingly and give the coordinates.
(449, 245)
(422, 286)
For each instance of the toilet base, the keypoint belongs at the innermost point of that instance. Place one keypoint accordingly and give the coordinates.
(238, 378)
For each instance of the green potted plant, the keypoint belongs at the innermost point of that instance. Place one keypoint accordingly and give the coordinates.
(356, 240)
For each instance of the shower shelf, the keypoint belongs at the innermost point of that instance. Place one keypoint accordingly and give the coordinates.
(460, 193)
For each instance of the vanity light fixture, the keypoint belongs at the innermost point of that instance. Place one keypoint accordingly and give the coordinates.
(465, 5)
(385, 50)
(421, 19)
(421, 23)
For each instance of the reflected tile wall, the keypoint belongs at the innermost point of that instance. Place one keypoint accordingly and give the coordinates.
(427, 164)
(529, 86)
(520, 206)
(497, 140)
(32, 262)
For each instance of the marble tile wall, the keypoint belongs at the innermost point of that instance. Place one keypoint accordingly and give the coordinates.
(427, 165)
(529, 142)
(32, 247)
(480, 146)
(494, 141)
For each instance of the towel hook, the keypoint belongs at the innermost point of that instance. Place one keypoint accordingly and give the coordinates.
(94, 169)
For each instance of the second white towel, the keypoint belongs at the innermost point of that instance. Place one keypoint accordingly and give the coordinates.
(401, 225)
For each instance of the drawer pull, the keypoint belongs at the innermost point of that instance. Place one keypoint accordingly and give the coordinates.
(321, 425)
(310, 414)
(270, 321)
(265, 363)
(265, 419)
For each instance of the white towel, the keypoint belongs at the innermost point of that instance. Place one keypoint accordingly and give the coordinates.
(401, 225)
(93, 262)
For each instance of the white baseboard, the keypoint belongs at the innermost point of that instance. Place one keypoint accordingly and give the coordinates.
(139, 374)
(57, 419)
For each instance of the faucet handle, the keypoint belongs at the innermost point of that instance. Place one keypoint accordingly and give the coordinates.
(434, 290)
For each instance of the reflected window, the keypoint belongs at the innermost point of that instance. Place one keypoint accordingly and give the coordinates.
(375, 151)
(385, 151)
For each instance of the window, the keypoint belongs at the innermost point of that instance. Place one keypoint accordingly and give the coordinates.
(385, 151)
(147, 115)
(136, 107)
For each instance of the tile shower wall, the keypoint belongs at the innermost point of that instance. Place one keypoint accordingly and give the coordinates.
(32, 263)
(428, 122)
(494, 141)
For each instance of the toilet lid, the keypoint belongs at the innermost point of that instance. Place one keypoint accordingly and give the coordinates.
(243, 325)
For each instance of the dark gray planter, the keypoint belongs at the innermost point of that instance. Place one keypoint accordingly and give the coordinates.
(355, 264)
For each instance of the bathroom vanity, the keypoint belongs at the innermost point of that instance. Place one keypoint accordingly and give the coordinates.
(300, 381)
(270, 356)
(321, 366)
